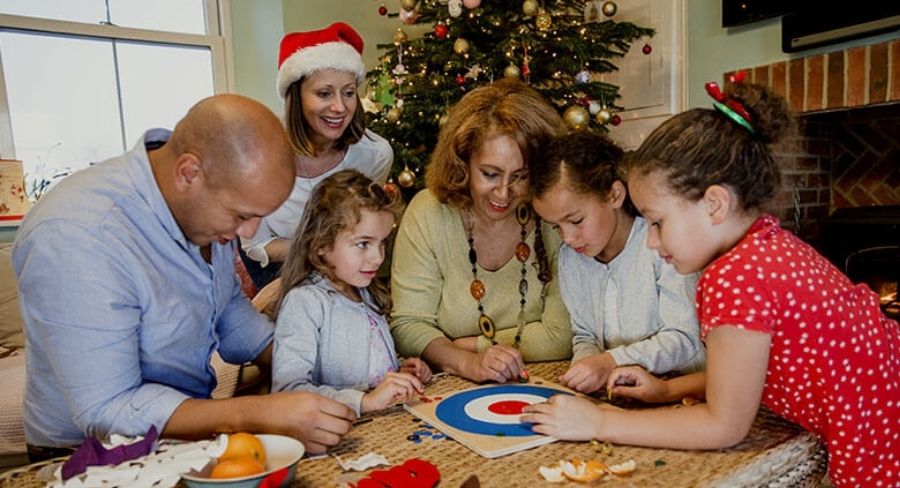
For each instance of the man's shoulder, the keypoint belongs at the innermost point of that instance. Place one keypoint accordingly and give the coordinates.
(86, 197)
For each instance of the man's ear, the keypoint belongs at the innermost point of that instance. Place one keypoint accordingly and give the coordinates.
(719, 202)
(188, 171)
(617, 193)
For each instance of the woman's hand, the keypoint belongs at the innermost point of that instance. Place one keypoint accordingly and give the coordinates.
(565, 417)
(589, 374)
(636, 382)
(497, 363)
(417, 368)
(394, 388)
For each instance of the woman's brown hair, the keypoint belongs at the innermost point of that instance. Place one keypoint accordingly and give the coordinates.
(299, 131)
(505, 108)
(336, 205)
(704, 147)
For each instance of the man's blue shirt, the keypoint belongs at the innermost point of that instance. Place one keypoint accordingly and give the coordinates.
(121, 312)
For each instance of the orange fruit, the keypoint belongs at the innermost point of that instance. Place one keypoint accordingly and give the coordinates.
(244, 444)
(236, 467)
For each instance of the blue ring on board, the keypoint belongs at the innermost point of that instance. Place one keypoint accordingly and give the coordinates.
(452, 410)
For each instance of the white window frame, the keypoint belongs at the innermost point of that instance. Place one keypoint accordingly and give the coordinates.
(218, 28)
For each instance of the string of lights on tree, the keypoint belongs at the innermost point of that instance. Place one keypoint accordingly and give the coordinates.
(559, 47)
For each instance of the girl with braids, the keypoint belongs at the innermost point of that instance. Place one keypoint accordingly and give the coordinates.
(627, 305)
(471, 274)
(783, 327)
(331, 335)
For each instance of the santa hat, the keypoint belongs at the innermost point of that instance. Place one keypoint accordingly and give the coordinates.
(337, 47)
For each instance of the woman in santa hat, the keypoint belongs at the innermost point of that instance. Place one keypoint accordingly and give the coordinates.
(319, 73)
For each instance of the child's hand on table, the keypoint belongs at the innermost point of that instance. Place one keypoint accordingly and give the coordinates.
(394, 388)
(589, 374)
(636, 382)
(565, 417)
(417, 368)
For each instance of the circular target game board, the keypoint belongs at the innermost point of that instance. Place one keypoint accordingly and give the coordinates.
(492, 410)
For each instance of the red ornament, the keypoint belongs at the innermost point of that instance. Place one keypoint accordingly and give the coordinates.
(647, 49)
(615, 120)
(441, 31)
(391, 189)
(460, 80)
(382, 10)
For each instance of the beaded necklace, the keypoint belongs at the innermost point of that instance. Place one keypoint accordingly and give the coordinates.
(477, 288)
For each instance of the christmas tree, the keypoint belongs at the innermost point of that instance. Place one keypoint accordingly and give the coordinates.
(559, 47)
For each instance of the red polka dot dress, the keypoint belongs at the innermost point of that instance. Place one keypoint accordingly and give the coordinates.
(834, 363)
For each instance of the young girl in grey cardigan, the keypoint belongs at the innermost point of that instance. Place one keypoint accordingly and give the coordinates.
(331, 336)
(628, 306)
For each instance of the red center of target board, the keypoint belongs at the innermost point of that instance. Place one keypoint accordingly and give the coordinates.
(507, 407)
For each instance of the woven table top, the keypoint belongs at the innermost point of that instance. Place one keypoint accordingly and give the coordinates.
(776, 453)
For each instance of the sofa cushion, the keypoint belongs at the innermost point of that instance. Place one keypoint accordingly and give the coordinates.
(11, 335)
(12, 384)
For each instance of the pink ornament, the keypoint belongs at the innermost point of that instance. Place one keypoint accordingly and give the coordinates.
(409, 17)
(470, 4)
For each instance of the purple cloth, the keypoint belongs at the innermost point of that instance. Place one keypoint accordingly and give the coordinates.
(92, 453)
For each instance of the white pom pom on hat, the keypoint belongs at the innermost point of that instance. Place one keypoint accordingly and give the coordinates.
(337, 47)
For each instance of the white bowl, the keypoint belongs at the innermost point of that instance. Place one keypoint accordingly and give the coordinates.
(281, 452)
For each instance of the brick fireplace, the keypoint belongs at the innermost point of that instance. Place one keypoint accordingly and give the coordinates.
(846, 152)
(841, 171)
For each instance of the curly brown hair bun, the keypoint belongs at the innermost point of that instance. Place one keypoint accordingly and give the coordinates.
(703, 147)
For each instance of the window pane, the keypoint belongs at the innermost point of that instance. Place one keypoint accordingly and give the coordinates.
(150, 100)
(62, 102)
(167, 15)
(88, 11)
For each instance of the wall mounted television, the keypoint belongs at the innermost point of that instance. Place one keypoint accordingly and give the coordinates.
(814, 23)
(740, 12)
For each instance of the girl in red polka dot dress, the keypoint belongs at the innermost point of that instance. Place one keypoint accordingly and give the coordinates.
(782, 325)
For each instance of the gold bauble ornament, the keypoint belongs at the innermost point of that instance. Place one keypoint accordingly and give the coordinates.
(461, 46)
(406, 178)
(400, 36)
(393, 115)
(543, 20)
(603, 116)
(609, 8)
(408, 4)
(530, 7)
(576, 117)
(511, 71)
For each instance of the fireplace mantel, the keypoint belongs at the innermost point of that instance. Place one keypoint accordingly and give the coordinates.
(843, 79)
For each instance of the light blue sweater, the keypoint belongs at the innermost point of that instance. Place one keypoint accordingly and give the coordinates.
(636, 307)
(322, 343)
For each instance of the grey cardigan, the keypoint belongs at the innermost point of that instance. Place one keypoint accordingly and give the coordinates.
(322, 343)
(636, 307)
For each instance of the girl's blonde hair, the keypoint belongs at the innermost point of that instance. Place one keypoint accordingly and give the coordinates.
(336, 205)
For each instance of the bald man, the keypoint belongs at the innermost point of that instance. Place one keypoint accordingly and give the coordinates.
(127, 286)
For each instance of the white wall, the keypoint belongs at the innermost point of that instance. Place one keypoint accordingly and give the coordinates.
(259, 25)
(713, 50)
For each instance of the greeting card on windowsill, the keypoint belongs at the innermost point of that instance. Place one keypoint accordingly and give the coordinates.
(14, 202)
